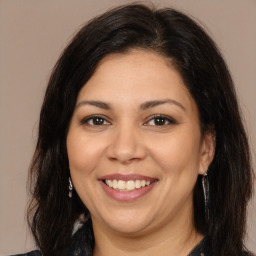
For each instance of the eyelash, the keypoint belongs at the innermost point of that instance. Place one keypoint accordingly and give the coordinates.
(166, 120)
(92, 118)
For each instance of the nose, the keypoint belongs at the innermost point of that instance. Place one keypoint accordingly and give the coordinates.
(126, 145)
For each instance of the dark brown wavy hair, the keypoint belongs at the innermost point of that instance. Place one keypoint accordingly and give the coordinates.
(52, 214)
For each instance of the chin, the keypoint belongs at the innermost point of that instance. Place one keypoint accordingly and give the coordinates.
(127, 222)
(128, 228)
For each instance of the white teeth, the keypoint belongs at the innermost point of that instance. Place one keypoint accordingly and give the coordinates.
(130, 185)
(109, 183)
(127, 185)
(137, 184)
(115, 184)
(121, 184)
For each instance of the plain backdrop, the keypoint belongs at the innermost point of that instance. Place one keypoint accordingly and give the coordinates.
(32, 35)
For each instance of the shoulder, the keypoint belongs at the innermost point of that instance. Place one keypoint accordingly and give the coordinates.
(248, 254)
(82, 242)
(32, 253)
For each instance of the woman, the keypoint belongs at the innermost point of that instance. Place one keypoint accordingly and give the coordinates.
(135, 155)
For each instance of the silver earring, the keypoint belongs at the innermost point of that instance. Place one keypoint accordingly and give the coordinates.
(205, 183)
(70, 188)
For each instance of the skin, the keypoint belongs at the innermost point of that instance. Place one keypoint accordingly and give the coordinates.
(130, 141)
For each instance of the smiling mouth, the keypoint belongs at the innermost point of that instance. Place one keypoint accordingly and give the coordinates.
(127, 188)
(129, 185)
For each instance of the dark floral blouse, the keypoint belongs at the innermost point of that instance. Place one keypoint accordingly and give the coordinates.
(84, 236)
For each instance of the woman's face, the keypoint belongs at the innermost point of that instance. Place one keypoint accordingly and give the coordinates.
(134, 145)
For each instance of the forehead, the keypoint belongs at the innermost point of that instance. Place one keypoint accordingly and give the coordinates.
(138, 75)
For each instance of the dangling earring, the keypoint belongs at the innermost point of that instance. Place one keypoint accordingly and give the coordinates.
(205, 183)
(70, 188)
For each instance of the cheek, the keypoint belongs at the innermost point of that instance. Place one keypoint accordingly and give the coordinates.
(178, 152)
(83, 153)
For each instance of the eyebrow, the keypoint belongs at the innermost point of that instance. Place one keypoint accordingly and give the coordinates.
(144, 106)
(98, 104)
(154, 103)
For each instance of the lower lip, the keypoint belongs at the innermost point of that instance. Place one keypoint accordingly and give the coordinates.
(127, 196)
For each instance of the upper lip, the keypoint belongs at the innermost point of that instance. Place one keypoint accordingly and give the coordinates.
(126, 177)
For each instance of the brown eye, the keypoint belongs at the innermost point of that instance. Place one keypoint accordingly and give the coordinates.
(98, 121)
(160, 120)
(95, 121)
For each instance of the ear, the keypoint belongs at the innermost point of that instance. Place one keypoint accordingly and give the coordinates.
(207, 151)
